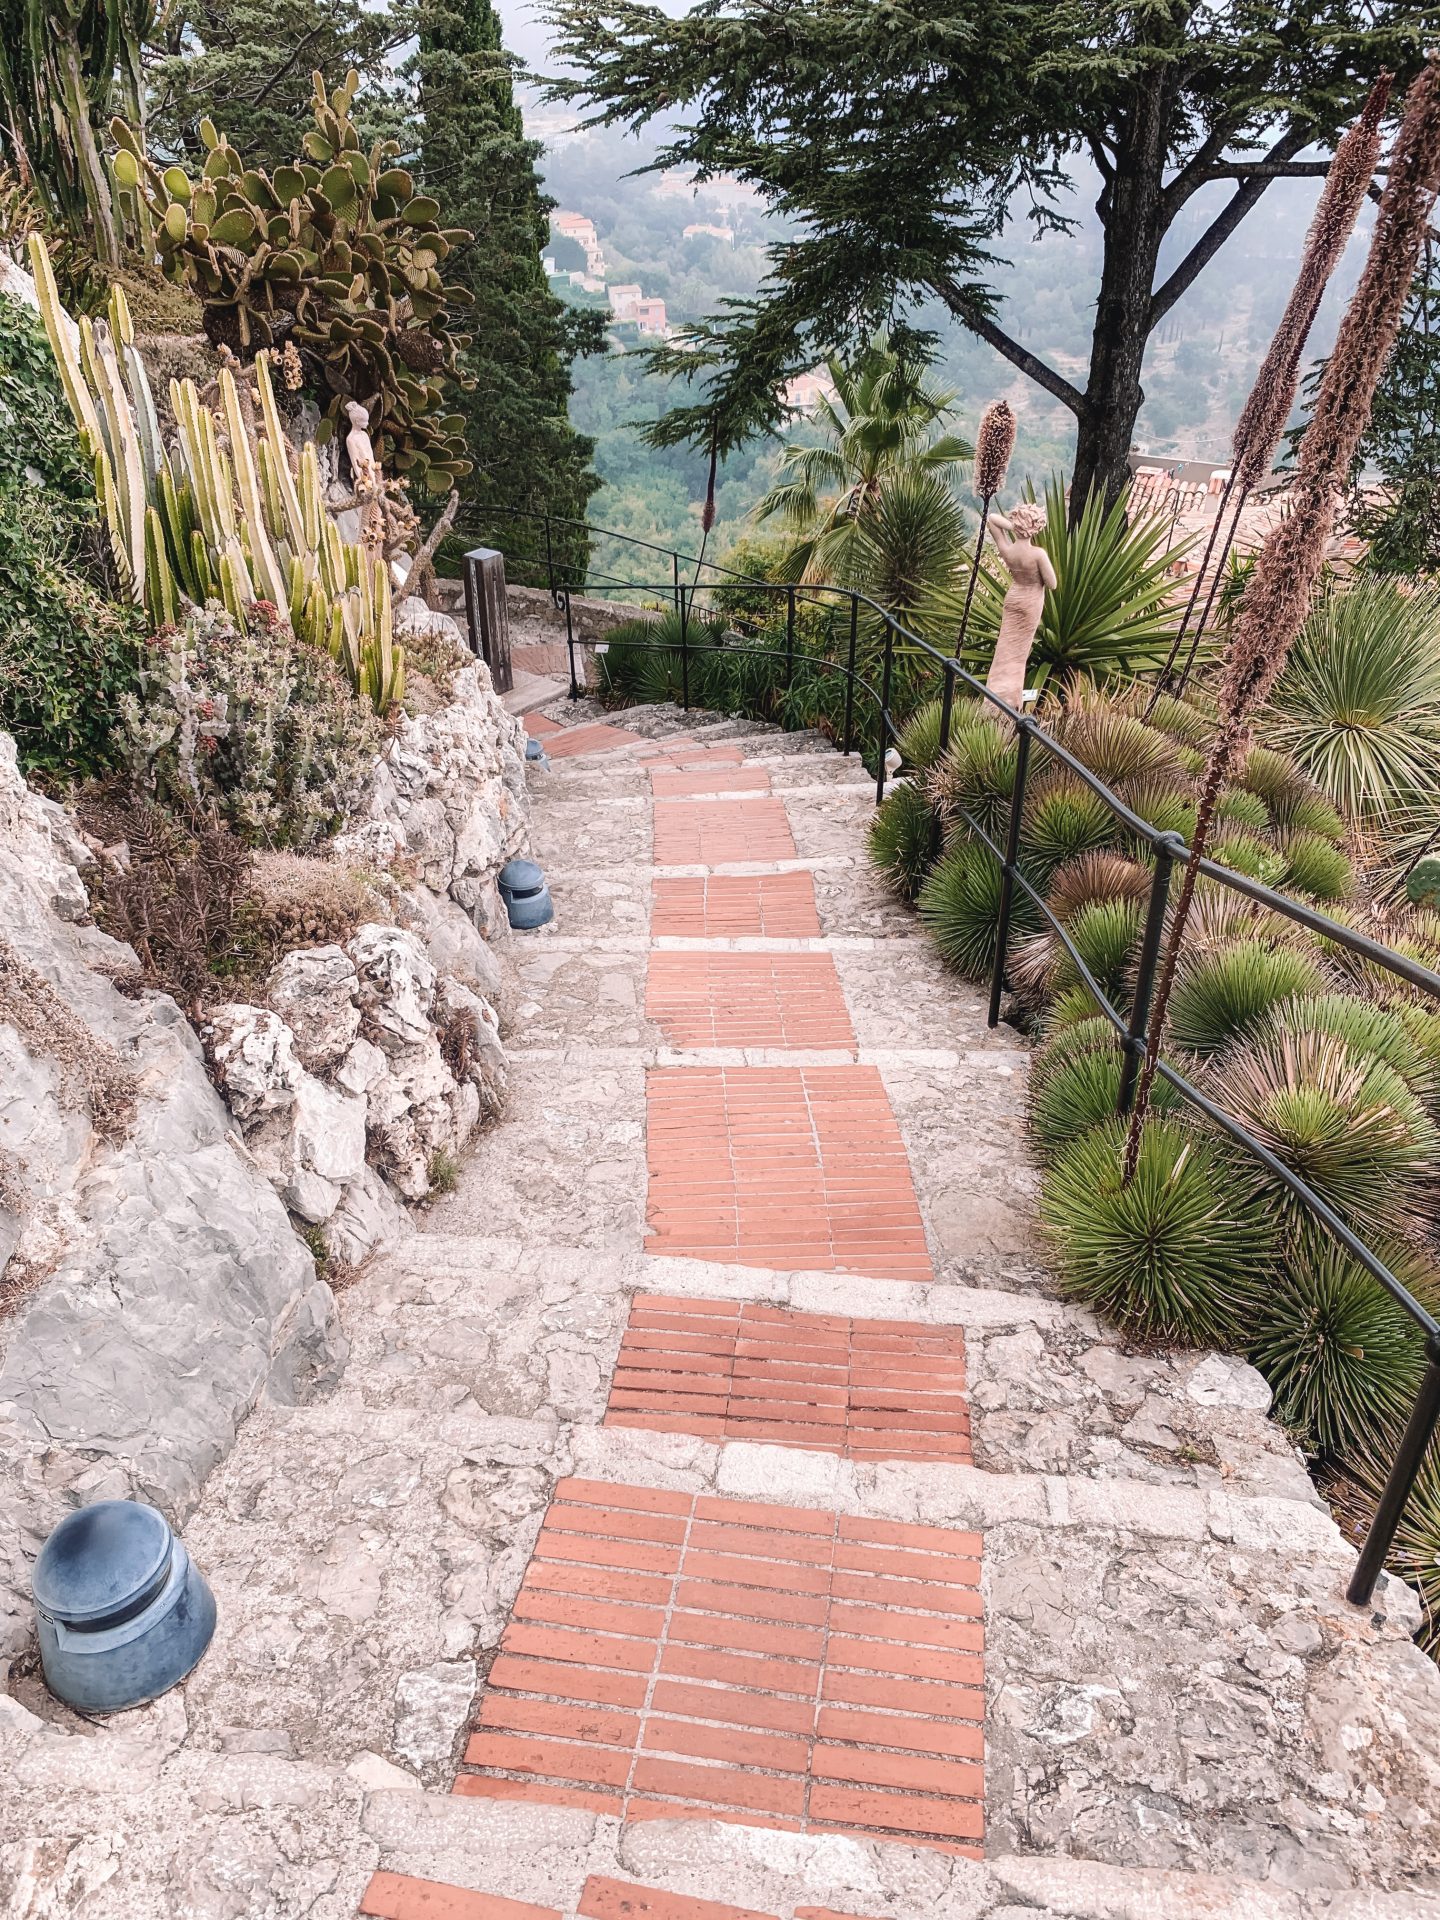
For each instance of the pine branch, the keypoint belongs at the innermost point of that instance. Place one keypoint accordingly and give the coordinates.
(967, 310)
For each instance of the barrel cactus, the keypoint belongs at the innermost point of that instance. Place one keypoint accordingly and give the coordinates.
(1422, 884)
(337, 254)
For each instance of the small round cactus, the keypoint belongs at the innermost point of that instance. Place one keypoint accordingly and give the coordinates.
(1422, 883)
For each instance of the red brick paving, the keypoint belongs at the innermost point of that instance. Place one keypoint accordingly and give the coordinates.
(748, 1000)
(394, 1896)
(777, 906)
(794, 1168)
(707, 832)
(593, 737)
(541, 726)
(873, 1389)
(680, 783)
(674, 1654)
(397, 1896)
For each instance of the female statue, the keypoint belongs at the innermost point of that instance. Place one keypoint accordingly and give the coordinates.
(1031, 572)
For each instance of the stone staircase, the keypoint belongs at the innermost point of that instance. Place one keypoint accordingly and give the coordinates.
(675, 1547)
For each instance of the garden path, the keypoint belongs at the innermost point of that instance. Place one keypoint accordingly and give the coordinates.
(720, 1515)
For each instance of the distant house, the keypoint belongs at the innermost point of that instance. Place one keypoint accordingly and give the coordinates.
(804, 393)
(650, 319)
(715, 233)
(581, 229)
(624, 300)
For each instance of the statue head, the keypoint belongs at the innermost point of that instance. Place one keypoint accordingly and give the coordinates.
(357, 415)
(1027, 521)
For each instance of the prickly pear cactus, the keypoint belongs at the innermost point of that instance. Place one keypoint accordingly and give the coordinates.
(338, 254)
(1422, 885)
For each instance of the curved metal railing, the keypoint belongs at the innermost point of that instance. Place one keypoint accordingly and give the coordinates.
(1167, 849)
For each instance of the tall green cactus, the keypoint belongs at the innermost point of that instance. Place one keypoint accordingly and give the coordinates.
(209, 521)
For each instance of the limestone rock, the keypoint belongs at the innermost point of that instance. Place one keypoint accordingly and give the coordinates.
(396, 987)
(308, 1138)
(314, 992)
(473, 1031)
(453, 941)
(414, 619)
(368, 1218)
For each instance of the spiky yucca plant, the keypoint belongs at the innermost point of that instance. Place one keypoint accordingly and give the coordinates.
(1343, 1358)
(1064, 819)
(1174, 1255)
(1246, 853)
(1221, 992)
(1114, 744)
(1104, 933)
(1237, 808)
(900, 838)
(1337, 1116)
(1410, 1047)
(1075, 1083)
(960, 905)
(976, 775)
(1317, 866)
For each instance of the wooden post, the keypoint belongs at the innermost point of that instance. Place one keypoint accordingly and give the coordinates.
(488, 613)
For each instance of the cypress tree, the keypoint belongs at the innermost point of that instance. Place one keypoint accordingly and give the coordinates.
(476, 161)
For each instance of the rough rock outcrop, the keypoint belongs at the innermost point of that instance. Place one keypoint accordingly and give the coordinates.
(157, 1289)
(447, 800)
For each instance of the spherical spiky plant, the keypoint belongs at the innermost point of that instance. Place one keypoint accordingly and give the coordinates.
(1173, 1255)
(1221, 992)
(1248, 854)
(1104, 933)
(1166, 803)
(976, 774)
(1113, 744)
(1415, 1552)
(960, 905)
(1411, 1051)
(1239, 808)
(1075, 1084)
(900, 837)
(1422, 1023)
(1062, 820)
(919, 741)
(1075, 1007)
(1314, 814)
(1343, 1358)
(1278, 781)
(1317, 866)
(1342, 1120)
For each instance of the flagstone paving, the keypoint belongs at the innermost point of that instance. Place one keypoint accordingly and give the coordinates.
(719, 1516)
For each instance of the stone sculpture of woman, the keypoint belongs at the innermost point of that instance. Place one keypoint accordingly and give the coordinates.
(1031, 572)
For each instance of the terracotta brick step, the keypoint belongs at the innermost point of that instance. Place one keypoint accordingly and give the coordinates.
(777, 906)
(709, 832)
(736, 1371)
(394, 1896)
(675, 1655)
(748, 1000)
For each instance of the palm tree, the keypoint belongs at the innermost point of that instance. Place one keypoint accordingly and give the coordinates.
(884, 423)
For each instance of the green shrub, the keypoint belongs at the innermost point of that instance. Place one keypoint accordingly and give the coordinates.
(1075, 1084)
(1317, 867)
(960, 904)
(1175, 1255)
(900, 837)
(1343, 1358)
(976, 774)
(1167, 804)
(252, 724)
(1228, 990)
(68, 654)
(1238, 808)
(1064, 819)
(1338, 1117)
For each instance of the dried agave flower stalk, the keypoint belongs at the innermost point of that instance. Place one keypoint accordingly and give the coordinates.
(1262, 419)
(994, 444)
(1278, 595)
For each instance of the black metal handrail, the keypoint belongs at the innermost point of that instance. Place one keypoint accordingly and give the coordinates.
(1167, 849)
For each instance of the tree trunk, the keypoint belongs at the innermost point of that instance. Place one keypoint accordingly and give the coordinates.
(1132, 214)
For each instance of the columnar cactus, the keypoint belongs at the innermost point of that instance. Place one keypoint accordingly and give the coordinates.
(208, 522)
(338, 255)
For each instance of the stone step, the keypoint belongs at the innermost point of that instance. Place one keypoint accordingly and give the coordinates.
(547, 1854)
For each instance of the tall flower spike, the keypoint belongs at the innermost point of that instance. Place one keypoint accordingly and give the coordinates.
(994, 444)
(1262, 420)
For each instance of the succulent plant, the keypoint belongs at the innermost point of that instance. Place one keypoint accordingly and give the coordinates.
(236, 526)
(900, 837)
(337, 255)
(1221, 992)
(1422, 883)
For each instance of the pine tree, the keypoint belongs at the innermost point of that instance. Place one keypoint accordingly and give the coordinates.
(474, 158)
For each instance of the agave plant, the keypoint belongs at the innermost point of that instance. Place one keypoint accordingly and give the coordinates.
(1075, 1083)
(1358, 706)
(1316, 866)
(1221, 992)
(1337, 1116)
(976, 774)
(1343, 1358)
(1064, 819)
(1407, 1040)
(900, 838)
(1115, 745)
(1112, 611)
(1174, 1255)
(960, 905)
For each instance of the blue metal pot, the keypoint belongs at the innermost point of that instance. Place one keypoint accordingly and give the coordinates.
(526, 896)
(123, 1611)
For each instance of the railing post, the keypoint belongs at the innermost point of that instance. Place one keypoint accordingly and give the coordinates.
(570, 646)
(947, 707)
(789, 637)
(883, 729)
(685, 647)
(850, 673)
(1409, 1458)
(1136, 1037)
(549, 562)
(675, 577)
(1007, 878)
